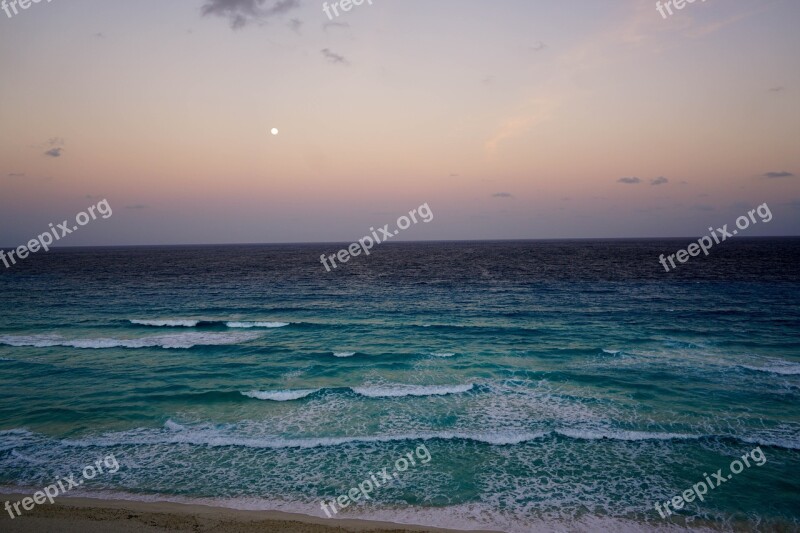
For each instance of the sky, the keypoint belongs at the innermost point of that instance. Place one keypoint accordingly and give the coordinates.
(511, 119)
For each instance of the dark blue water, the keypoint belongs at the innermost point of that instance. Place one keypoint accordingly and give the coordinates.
(569, 382)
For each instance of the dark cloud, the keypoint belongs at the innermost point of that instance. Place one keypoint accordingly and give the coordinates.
(629, 180)
(659, 181)
(773, 175)
(777, 89)
(53, 152)
(295, 25)
(334, 58)
(242, 12)
(502, 195)
(16, 174)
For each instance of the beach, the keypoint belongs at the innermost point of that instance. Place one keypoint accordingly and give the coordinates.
(83, 515)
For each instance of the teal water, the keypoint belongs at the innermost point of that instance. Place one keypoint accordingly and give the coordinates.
(553, 383)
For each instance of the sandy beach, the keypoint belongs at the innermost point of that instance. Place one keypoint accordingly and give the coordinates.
(84, 515)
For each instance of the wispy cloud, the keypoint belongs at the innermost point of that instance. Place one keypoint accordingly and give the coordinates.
(629, 181)
(538, 46)
(243, 12)
(533, 113)
(502, 195)
(773, 175)
(55, 145)
(777, 89)
(295, 25)
(659, 181)
(16, 174)
(333, 57)
(335, 25)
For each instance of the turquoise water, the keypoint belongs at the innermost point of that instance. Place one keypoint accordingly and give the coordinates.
(553, 383)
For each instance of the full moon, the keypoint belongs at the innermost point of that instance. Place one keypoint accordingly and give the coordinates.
(274, 131)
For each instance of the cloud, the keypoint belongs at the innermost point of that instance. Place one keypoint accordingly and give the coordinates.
(93, 197)
(773, 175)
(53, 152)
(659, 181)
(777, 89)
(136, 206)
(242, 12)
(335, 25)
(502, 195)
(334, 58)
(533, 113)
(538, 46)
(295, 24)
(629, 181)
(16, 174)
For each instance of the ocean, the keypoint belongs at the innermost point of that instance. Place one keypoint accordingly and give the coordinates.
(555, 384)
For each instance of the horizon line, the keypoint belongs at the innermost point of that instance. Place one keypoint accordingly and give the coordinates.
(320, 243)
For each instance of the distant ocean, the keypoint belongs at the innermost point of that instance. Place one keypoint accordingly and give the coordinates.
(556, 384)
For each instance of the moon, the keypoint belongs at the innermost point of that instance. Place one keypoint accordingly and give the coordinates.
(274, 131)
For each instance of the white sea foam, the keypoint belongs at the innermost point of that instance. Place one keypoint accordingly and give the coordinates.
(175, 340)
(344, 354)
(612, 352)
(166, 323)
(256, 324)
(280, 395)
(26, 458)
(395, 391)
(777, 366)
(592, 434)
(442, 354)
(173, 426)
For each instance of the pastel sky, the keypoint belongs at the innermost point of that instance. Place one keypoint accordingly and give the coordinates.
(512, 119)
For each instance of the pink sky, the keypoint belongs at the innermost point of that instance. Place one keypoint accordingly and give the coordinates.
(514, 119)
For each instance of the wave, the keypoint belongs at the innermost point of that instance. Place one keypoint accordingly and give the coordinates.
(393, 391)
(192, 323)
(611, 352)
(784, 368)
(256, 324)
(173, 426)
(397, 391)
(214, 435)
(166, 323)
(344, 354)
(171, 341)
(281, 395)
(590, 434)
(442, 354)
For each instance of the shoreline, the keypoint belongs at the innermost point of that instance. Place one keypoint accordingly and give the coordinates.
(93, 515)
